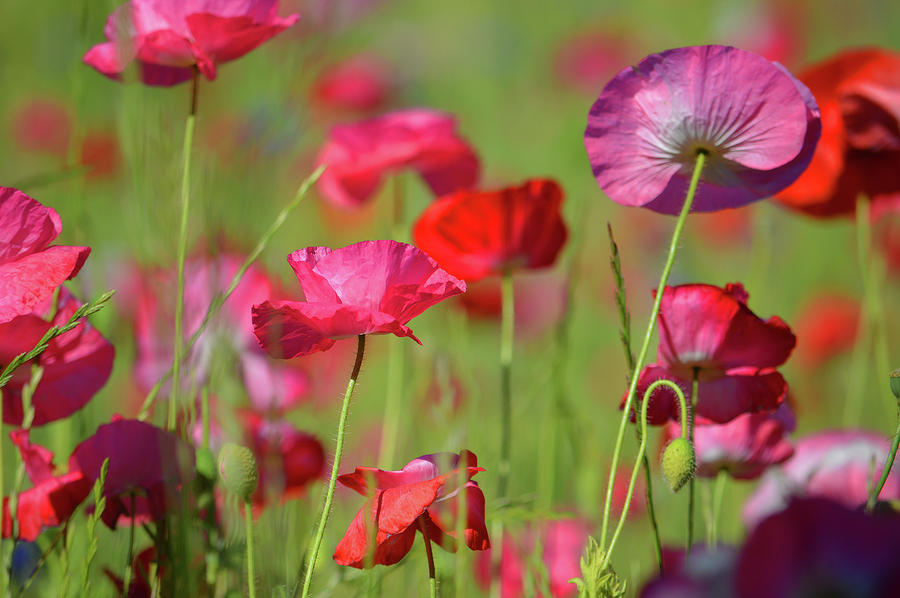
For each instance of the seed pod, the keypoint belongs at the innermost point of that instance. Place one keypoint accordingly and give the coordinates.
(678, 463)
(895, 383)
(237, 468)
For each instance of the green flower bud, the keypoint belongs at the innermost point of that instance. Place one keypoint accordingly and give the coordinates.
(678, 463)
(895, 383)
(237, 468)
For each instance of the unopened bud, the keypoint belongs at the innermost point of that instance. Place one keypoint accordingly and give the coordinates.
(678, 463)
(237, 468)
(895, 383)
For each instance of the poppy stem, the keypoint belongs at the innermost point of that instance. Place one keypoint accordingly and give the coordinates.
(695, 386)
(178, 347)
(126, 579)
(251, 571)
(645, 346)
(642, 422)
(886, 470)
(432, 580)
(332, 482)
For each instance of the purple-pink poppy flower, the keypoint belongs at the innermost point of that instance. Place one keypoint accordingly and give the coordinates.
(744, 447)
(30, 268)
(708, 573)
(711, 331)
(170, 38)
(147, 466)
(372, 287)
(757, 124)
(841, 465)
(76, 364)
(360, 155)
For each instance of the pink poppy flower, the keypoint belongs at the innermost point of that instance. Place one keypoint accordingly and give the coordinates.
(425, 492)
(585, 61)
(562, 543)
(711, 331)
(358, 84)
(476, 234)
(31, 269)
(360, 155)
(372, 287)
(42, 125)
(757, 123)
(169, 38)
(840, 465)
(826, 327)
(51, 500)
(147, 465)
(76, 364)
(744, 447)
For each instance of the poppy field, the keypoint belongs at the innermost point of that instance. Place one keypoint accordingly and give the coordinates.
(396, 298)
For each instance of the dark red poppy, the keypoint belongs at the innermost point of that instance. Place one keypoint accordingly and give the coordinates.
(147, 466)
(31, 269)
(360, 155)
(425, 492)
(826, 327)
(858, 92)
(710, 332)
(372, 287)
(51, 500)
(76, 364)
(475, 234)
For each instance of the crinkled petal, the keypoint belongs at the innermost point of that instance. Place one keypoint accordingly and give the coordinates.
(228, 38)
(353, 549)
(26, 226)
(47, 504)
(31, 279)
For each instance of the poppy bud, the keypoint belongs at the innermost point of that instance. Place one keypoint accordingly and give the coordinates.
(237, 468)
(895, 383)
(678, 463)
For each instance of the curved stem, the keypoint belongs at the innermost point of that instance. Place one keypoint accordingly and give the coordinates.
(695, 384)
(251, 571)
(641, 453)
(432, 580)
(338, 451)
(888, 465)
(642, 355)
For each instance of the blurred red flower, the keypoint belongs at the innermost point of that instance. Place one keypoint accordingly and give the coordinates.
(424, 493)
(710, 331)
(100, 155)
(360, 155)
(42, 125)
(826, 327)
(372, 287)
(858, 92)
(473, 234)
(169, 38)
(76, 364)
(357, 84)
(30, 270)
(147, 465)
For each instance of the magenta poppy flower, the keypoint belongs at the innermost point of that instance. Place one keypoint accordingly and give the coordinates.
(51, 500)
(360, 155)
(425, 492)
(76, 364)
(170, 38)
(145, 462)
(744, 447)
(711, 331)
(372, 287)
(358, 84)
(840, 465)
(31, 268)
(816, 547)
(757, 123)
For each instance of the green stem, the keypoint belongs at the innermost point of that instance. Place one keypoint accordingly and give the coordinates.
(338, 451)
(432, 579)
(204, 415)
(718, 496)
(695, 384)
(645, 346)
(178, 345)
(251, 571)
(126, 583)
(642, 422)
(888, 465)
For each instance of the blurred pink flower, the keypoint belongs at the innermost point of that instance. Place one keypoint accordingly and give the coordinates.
(30, 269)
(42, 125)
(372, 287)
(360, 155)
(586, 61)
(840, 465)
(758, 124)
(358, 84)
(169, 38)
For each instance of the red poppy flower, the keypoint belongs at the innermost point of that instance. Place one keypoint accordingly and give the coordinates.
(744, 447)
(373, 287)
(858, 92)
(76, 364)
(30, 269)
(169, 38)
(826, 327)
(711, 331)
(146, 464)
(425, 492)
(140, 586)
(51, 500)
(475, 234)
(360, 155)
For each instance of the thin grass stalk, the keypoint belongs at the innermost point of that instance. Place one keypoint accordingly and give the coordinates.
(93, 520)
